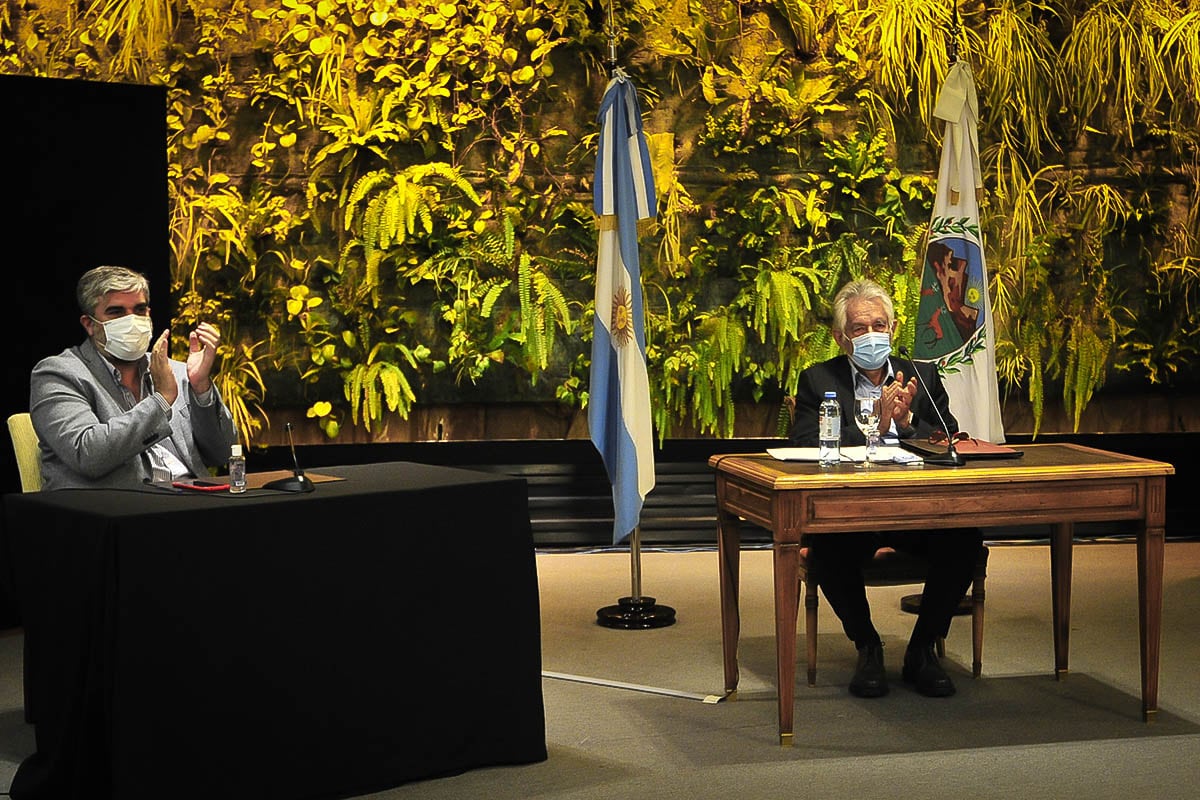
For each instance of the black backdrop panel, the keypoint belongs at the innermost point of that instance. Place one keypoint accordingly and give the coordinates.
(85, 168)
(85, 184)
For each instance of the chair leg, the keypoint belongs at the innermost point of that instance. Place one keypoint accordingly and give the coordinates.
(941, 647)
(810, 629)
(977, 596)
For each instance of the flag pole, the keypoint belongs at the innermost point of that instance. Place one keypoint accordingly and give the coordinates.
(635, 612)
(952, 34)
(635, 563)
(612, 38)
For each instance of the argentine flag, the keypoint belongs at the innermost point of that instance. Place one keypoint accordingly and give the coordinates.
(619, 395)
(955, 328)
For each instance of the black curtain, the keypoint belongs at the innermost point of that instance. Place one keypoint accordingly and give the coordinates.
(85, 184)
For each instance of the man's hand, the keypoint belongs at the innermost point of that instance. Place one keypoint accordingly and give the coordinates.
(202, 352)
(896, 402)
(160, 368)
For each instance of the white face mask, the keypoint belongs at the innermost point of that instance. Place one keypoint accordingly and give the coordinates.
(126, 338)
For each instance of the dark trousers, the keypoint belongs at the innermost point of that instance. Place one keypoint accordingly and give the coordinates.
(838, 561)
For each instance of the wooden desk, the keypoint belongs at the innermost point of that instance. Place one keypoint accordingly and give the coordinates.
(1059, 484)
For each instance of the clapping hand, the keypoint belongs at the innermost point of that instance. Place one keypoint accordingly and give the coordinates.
(202, 353)
(160, 368)
(896, 402)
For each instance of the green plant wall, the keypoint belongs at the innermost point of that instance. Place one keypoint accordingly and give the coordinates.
(388, 203)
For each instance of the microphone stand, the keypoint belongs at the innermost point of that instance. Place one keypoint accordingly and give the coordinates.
(951, 458)
(298, 482)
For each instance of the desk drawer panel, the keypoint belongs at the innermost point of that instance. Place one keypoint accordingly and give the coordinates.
(749, 502)
(954, 506)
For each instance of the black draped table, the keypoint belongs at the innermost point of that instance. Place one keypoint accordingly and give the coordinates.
(381, 629)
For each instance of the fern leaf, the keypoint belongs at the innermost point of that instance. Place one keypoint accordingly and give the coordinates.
(553, 299)
(344, 256)
(370, 226)
(352, 388)
(510, 237)
(390, 221)
(524, 284)
(389, 377)
(362, 187)
(364, 335)
(494, 290)
(374, 408)
(783, 422)
(372, 276)
(412, 199)
(426, 217)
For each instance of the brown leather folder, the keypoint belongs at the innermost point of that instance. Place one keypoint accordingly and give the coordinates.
(968, 448)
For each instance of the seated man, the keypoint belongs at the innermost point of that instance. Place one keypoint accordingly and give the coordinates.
(111, 415)
(863, 325)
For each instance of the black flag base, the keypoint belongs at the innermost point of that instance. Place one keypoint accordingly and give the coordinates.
(635, 613)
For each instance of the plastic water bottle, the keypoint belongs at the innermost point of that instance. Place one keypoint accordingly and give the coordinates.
(237, 470)
(829, 426)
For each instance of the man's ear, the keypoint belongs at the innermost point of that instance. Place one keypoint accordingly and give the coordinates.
(87, 322)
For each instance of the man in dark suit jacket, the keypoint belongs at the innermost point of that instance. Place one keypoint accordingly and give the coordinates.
(863, 325)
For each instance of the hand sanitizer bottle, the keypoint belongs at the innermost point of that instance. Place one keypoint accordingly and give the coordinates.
(237, 470)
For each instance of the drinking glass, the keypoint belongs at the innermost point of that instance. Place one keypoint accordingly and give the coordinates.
(866, 416)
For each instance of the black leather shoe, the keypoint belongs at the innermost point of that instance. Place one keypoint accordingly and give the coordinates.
(921, 668)
(869, 678)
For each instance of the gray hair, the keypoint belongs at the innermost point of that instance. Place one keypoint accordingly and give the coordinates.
(98, 282)
(862, 289)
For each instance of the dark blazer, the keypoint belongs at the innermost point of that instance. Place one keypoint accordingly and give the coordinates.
(834, 376)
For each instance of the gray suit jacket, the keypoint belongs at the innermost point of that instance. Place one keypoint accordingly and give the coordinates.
(90, 436)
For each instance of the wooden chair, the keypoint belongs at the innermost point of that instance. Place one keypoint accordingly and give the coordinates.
(25, 447)
(891, 567)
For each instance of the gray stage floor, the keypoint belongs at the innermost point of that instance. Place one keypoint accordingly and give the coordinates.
(626, 715)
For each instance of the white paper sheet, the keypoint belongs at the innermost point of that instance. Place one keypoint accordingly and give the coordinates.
(883, 454)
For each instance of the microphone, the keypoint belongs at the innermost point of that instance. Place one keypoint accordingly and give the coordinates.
(298, 482)
(952, 457)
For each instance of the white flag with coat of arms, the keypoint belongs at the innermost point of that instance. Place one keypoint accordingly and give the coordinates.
(955, 328)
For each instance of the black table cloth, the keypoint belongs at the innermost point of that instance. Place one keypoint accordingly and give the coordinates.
(382, 629)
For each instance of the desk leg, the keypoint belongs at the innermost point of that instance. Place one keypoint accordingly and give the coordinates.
(787, 605)
(1150, 589)
(729, 542)
(1060, 569)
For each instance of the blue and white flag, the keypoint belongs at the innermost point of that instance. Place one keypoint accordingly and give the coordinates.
(619, 396)
(955, 328)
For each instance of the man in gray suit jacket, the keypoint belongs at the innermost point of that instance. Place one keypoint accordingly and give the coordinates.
(109, 414)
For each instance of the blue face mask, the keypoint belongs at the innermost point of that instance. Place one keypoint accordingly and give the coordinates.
(871, 350)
